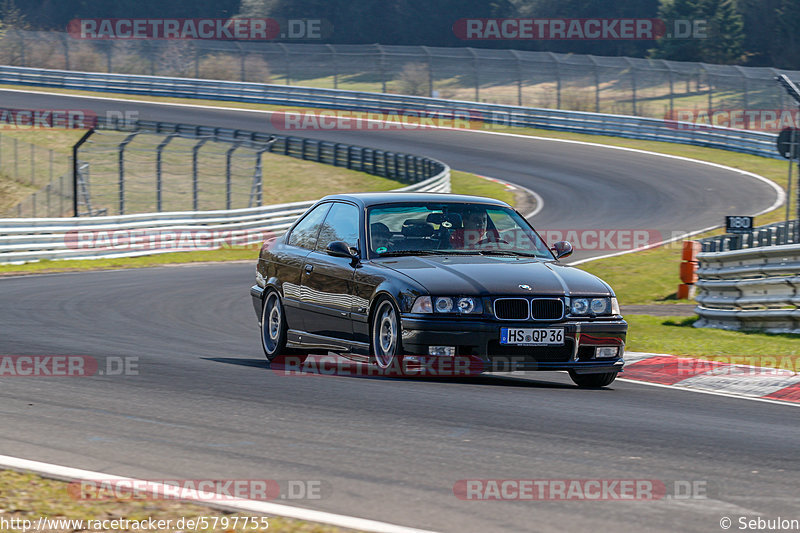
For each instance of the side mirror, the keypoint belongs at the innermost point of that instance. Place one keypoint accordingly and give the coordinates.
(562, 249)
(342, 249)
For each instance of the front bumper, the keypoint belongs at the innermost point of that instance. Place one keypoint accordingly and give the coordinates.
(480, 339)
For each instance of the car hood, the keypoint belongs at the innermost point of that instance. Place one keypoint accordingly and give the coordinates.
(496, 275)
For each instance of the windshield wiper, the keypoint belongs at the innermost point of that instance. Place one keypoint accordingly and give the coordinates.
(415, 252)
(506, 252)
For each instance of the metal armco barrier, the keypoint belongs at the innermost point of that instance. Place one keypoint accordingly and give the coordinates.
(24, 239)
(751, 142)
(777, 234)
(750, 289)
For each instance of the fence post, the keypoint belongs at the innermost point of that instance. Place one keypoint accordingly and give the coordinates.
(430, 70)
(121, 149)
(476, 74)
(382, 68)
(335, 66)
(159, 182)
(557, 72)
(75, 148)
(65, 42)
(195, 188)
(228, 156)
(287, 63)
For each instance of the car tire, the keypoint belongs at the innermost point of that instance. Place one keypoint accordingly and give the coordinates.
(273, 326)
(385, 342)
(593, 381)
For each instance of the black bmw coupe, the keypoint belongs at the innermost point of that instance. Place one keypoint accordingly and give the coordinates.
(389, 277)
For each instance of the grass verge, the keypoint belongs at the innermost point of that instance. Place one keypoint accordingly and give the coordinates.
(676, 335)
(25, 496)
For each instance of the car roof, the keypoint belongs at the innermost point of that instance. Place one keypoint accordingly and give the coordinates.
(368, 199)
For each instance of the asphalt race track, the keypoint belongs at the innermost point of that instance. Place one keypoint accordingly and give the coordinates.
(204, 404)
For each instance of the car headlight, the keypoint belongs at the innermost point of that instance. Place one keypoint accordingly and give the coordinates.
(594, 306)
(464, 305)
(422, 305)
(580, 306)
(600, 306)
(444, 305)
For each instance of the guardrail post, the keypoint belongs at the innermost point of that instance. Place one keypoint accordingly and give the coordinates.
(195, 187)
(75, 148)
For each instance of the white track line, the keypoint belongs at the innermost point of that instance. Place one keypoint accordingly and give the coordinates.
(713, 393)
(265, 508)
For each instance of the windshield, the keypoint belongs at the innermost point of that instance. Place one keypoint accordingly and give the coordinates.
(451, 228)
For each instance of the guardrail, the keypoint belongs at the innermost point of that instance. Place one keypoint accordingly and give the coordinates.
(751, 142)
(24, 240)
(777, 234)
(750, 289)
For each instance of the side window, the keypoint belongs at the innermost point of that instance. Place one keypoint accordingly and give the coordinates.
(305, 232)
(341, 224)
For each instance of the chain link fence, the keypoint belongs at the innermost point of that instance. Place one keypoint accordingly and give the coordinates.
(620, 85)
(138, 172)
(145, 167)
(42, 172)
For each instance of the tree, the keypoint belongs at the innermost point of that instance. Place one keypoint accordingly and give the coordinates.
(785, 51)
(723, 38)
(725, 41)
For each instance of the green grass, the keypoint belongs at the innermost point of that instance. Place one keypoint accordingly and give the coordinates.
(676, 335)
(466, 183)
(25, 496)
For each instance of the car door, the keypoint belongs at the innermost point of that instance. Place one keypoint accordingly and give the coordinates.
(327, 281)
(290, 258)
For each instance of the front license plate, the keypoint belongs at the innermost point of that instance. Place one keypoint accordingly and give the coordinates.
(532, 336)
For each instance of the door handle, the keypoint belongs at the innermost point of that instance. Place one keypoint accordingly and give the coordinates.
(309, 268)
